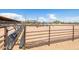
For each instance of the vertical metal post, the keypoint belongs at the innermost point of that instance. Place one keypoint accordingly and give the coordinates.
(49, 37)
(24, 37)
(73, 34)
(5, 36)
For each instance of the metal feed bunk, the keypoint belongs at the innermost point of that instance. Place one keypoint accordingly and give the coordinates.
(10, 40)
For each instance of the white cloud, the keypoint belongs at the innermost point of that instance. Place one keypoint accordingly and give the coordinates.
(49, 18)
(13, 16)
(41, 19)
(52, 16)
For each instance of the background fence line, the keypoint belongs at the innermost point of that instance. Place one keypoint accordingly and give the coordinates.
(49, 32)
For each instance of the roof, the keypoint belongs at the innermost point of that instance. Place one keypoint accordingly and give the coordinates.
(2, 18)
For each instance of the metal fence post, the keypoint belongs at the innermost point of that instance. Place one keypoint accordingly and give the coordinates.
(24, 37)
(73, 34)
(49, 37)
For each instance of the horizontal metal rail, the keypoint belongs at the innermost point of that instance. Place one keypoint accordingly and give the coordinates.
(49, 34)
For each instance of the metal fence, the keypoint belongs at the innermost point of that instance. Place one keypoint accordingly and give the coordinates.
(50, 35)
(34, 36)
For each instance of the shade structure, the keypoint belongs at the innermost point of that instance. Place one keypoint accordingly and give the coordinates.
(5, 20)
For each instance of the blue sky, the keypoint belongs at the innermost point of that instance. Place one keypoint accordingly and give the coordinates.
(69, 15)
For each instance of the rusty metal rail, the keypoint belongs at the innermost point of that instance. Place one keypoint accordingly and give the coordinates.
(46, 36)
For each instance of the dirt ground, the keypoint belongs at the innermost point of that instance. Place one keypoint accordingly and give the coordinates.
(66, 45)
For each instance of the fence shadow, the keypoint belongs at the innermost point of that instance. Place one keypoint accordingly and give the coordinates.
(45, 42)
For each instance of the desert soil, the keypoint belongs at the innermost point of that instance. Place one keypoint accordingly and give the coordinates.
(54, 46)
